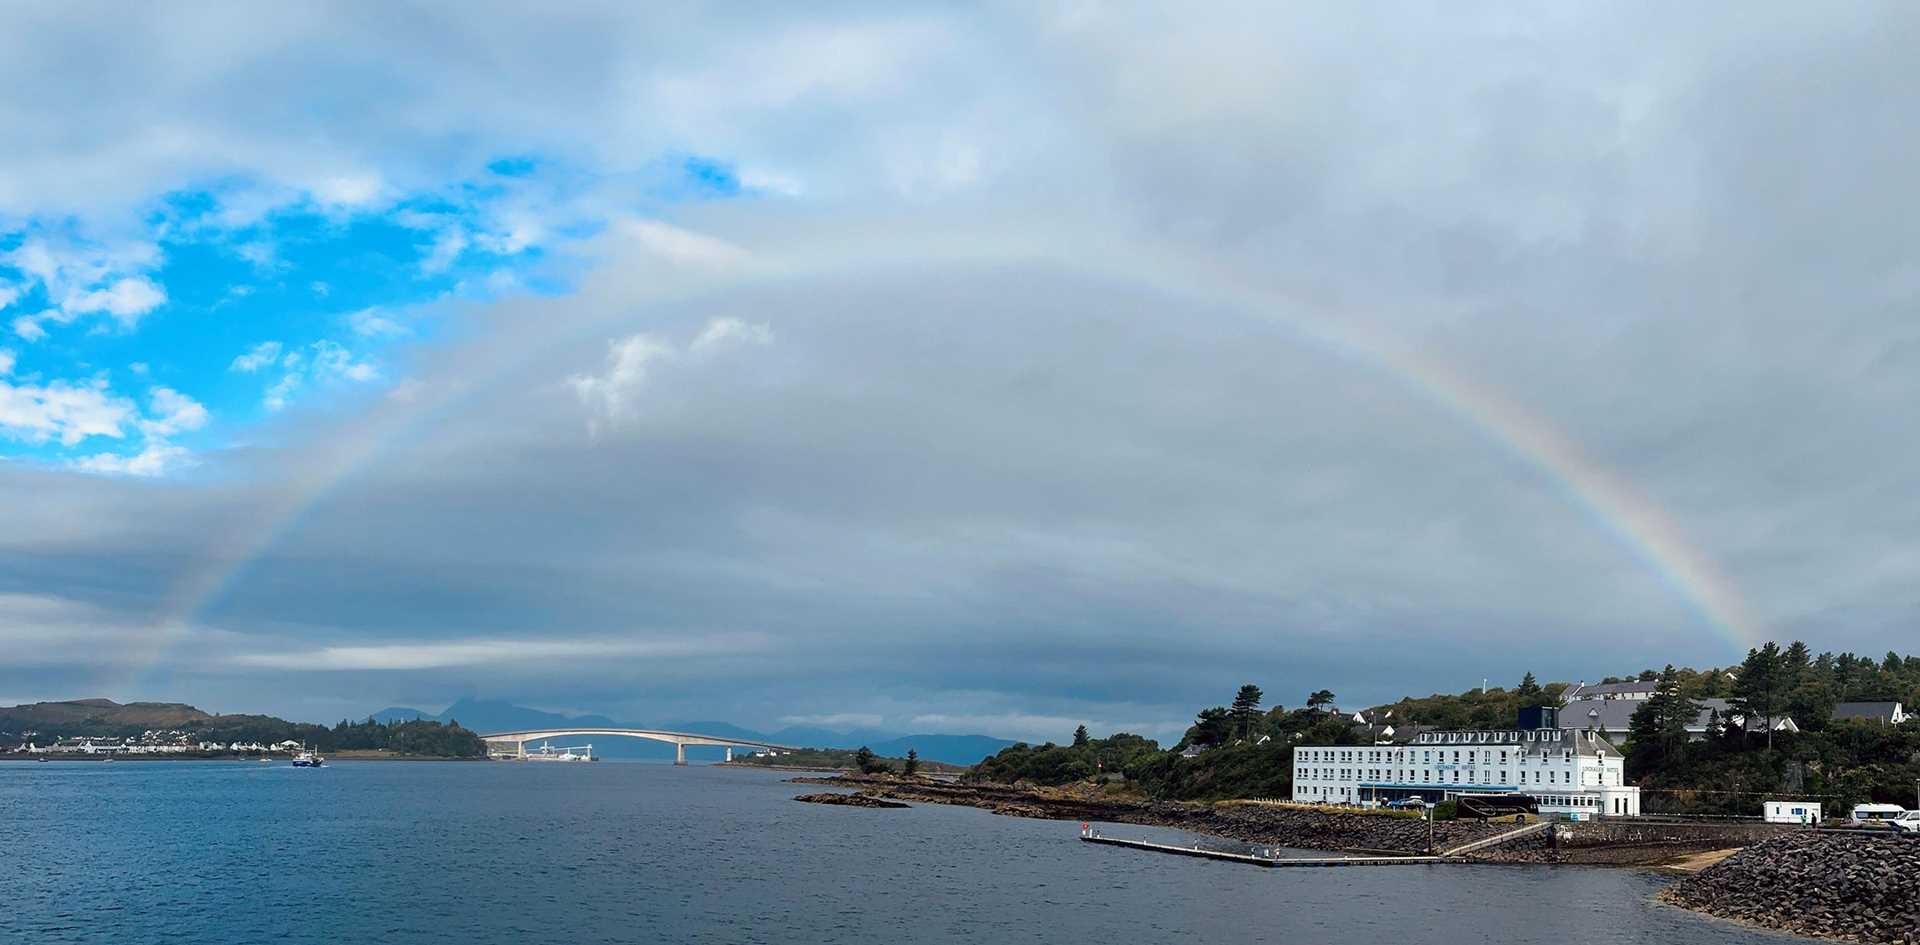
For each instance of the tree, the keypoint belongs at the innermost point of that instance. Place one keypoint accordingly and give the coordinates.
(1245, 710)
(1529, 693)
(1320, 699)
(1211, 727)
(912, 767)
(1080, 737)
(1658, 731)
(865, 760)
(1760, 692)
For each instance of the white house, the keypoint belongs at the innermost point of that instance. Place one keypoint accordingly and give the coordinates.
(1568, 772)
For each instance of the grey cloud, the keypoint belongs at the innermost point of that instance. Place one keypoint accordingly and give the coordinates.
(1011, 454)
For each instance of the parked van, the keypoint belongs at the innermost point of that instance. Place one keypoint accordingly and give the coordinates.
(1876, 815)
(1792, 812)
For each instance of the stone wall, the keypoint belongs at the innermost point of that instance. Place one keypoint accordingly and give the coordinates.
(1858, 887)
(1630, 842)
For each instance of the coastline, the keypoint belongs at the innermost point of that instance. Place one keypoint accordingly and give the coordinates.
(1285, 825)
(352, 755)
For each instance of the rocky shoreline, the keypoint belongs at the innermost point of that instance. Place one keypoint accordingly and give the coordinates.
(1851, 887)
(1261, 824)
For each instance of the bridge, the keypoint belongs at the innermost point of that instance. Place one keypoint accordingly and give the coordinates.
(514, 744)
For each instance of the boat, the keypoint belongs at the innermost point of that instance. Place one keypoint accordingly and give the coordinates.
(308, 758)
(547, 752)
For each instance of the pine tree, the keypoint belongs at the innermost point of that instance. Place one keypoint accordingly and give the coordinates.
(912, 767)
(1760, 692)
(1080, 737)
(1245, 709)
(1658, 732)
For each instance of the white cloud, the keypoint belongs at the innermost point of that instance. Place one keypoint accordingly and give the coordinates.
(260, 253)
(257, 357)
(324, 362)
(170, 412)
(349, 191)
(440, 654)
(720, 331)
(126, 300)
(448, 244)
(8, 293)
(28, 328)
(157, 459)
(139, 367)
(62, 410)
(82, 278)
(333, 360)
(281, 393)
(6, 361)
(370, 323)
(611, 396)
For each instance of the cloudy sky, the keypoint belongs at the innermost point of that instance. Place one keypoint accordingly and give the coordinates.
(947, 369)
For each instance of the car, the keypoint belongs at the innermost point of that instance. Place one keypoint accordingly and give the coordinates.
(1412, 803)
(1908, 822)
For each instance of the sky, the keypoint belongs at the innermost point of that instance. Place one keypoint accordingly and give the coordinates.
(987, 368)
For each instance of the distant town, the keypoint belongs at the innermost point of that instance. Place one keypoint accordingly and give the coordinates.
(149, 742)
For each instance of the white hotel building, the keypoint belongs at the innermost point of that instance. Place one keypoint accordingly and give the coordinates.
(1568, 772)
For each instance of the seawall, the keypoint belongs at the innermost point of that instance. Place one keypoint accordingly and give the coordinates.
(1856, 887)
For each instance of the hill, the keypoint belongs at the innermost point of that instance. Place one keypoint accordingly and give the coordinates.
(100, 714)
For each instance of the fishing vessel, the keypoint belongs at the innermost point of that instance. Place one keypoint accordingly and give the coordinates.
(308, 758)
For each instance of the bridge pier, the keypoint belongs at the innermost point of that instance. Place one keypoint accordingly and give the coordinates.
(680, 753)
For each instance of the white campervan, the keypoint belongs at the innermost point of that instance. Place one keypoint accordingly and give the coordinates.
(1876, 814)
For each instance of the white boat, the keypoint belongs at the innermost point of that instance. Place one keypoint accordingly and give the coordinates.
(547, 752)
(308, 758)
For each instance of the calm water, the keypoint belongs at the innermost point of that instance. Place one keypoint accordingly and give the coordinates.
(499, 853)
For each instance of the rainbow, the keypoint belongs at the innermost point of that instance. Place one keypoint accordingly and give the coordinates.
(1634, 519)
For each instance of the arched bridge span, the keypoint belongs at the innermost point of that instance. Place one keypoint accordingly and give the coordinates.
(514, 744)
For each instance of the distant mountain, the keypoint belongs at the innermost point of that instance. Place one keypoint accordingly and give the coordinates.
(951, 749)
(486, 716)
(804, 736)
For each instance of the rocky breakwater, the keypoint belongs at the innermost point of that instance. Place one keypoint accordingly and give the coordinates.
(1314, 828)
(849, 800)
(1855, 887)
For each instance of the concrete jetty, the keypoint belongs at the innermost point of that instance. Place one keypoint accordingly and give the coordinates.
(1250, 859)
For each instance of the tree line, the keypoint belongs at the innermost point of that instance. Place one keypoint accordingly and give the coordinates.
(1242, 749)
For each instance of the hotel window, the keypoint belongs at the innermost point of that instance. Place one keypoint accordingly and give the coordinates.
(1503, 757)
